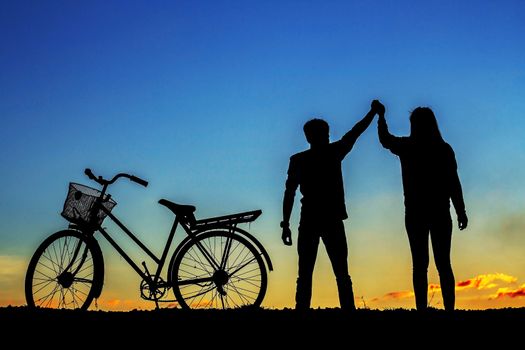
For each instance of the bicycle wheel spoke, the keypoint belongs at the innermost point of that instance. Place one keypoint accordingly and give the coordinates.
(245, 272)
(228, 296)
(43, 274)
(41, 282)
(58, 263)
(198, 261)
(234, 261)
(44, 286)
(81, 292)
(254, 282)
(50, 259)
(88, 267)
(247, 255)
(242, 296)
(82, 280)
(239, 268)
(193, 271)
(73, 295)
(213, 296)
(210, 258)
(190, 275)
(63, 248)
(47, 267)
(237, 287)
(202, 294)
(52, 293)
(196, 264)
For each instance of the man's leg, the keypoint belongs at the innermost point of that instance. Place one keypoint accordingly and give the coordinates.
(441, 236)
(334, 239)
(307, 244)
(418, 231)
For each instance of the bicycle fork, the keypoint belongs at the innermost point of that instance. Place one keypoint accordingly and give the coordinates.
(66, 278)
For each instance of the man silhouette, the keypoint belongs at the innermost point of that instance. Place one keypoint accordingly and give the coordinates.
(317, 171)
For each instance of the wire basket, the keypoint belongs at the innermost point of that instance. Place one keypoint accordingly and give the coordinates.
(78, 207)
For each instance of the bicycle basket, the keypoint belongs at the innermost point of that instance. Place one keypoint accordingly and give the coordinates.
(78, 207)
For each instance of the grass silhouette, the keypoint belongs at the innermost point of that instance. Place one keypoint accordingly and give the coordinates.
(265, 327)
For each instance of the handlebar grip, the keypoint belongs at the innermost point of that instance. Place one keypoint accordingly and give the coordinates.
(89, 174)
(138, 180)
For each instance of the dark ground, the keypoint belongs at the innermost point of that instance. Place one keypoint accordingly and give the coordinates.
(265, 328)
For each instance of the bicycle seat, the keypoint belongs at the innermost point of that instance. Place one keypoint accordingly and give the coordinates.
(178, 209)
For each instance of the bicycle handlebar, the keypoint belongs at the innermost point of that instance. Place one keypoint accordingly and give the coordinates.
(138, 180)
(105, 182)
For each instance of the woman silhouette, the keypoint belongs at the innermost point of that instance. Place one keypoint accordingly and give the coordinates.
(430, 181)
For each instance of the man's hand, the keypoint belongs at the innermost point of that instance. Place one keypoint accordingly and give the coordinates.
(286, 236)
(462, 221)
(378, 107)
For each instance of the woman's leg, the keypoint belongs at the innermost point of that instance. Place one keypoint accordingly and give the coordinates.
(441, 236)
(417, 230)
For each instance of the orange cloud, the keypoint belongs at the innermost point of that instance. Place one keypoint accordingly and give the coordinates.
(485, 281)
(397, 295)
(479, 282)
(112, 303)
(511, 293)
(115, 304)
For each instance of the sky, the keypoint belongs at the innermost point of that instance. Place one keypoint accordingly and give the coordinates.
(206, 100)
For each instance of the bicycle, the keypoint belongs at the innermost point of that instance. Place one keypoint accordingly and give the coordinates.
(217, 266)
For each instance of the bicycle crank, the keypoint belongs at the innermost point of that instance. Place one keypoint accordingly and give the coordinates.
(152, 293)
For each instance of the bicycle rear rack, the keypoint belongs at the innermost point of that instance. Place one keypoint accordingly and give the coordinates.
(227, 220)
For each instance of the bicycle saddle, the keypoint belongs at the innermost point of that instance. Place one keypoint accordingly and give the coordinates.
(178, 209)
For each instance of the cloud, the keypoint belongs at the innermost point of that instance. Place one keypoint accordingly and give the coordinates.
(511, 293)
(480, 282)
(116, 304)
(113, 303)
(485, 281)
(398, 295)
(394, 296)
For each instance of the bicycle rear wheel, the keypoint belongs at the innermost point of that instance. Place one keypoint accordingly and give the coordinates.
(199, 282)
(66, 272)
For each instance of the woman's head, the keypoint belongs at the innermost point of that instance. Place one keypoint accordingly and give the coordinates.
(423, 125)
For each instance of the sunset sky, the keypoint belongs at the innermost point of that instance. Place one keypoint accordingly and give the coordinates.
(206, 100)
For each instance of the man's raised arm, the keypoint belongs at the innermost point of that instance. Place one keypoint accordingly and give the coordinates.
(349, 139)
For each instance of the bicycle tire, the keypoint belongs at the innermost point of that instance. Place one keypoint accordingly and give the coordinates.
(244, 286)
(48, 285)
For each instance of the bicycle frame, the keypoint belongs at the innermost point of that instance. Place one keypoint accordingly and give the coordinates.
(154, 279)
(221, 222)
(159, 261)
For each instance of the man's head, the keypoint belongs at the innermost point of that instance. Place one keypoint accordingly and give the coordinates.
(317, 132)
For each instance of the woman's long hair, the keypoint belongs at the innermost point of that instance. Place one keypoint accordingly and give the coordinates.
(424, 127)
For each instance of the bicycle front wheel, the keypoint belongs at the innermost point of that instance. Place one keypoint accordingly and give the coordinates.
(219, 270)
(66, 272)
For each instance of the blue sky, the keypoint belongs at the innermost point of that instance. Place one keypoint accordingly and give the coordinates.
(206, 100)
